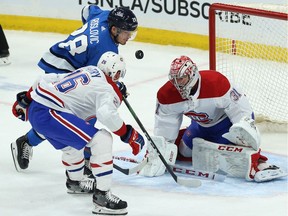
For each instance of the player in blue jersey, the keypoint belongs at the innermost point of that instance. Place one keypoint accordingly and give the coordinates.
(102, 31)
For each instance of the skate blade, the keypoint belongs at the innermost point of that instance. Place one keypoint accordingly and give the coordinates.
(14, 156)
(100, 210)
(78, 192)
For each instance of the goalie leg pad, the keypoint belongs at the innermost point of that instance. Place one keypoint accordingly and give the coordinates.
(155, 166)
(236, 161)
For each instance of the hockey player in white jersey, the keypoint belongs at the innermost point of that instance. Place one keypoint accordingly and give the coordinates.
(61, 107)
(222, 133)
(102, 31)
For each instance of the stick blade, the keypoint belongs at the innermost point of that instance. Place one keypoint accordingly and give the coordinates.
(133, 170)
(187, 182)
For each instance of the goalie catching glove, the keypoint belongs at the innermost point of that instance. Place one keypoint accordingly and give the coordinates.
(23, 100)
(155, 166)
(244, 133)
(134, 139)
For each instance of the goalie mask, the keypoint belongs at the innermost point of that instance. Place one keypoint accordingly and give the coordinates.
(113, 65)
(184, 75)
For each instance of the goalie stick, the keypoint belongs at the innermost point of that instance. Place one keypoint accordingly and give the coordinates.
(182, 181)
(215, 176)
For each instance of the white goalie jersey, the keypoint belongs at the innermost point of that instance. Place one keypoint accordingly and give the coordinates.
(215, 100)
(85, 88)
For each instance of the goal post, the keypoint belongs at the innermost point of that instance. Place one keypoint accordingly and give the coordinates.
(248, 44)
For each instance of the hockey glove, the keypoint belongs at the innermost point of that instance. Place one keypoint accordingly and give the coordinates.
(244, 133)
(122, 89)
(21, 104)
(134, 139)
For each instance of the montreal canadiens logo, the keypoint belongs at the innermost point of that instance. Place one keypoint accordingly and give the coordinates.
(199, 117)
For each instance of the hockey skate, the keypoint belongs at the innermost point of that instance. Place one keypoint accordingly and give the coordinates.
(85, 186)
(21, 152)
(269, 173)
(105, 203)
(87, 169)
(4, 57)
(4, 61)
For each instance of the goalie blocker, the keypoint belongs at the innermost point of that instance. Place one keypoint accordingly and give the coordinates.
(155, 166)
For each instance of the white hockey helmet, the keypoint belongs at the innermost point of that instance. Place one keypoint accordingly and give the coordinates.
(183, 68)
(113, 65)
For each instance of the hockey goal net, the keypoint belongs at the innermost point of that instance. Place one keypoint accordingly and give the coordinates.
(249, 45)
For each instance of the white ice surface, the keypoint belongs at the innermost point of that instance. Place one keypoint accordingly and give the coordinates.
(41, 191)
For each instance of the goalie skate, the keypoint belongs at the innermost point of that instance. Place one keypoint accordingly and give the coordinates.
(85, 186)
(270, 173)
(105, 203)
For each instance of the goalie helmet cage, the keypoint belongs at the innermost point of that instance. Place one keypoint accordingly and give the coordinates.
(248, 44)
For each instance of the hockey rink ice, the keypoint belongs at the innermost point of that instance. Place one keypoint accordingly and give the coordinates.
(41, 190)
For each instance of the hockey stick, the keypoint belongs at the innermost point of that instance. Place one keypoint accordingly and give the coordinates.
(215, 176)
(130, 171)
(182, 181)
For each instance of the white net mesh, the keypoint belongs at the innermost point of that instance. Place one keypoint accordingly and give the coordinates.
(252, 51)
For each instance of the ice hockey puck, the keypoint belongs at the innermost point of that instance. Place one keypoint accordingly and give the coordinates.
(139, 54)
